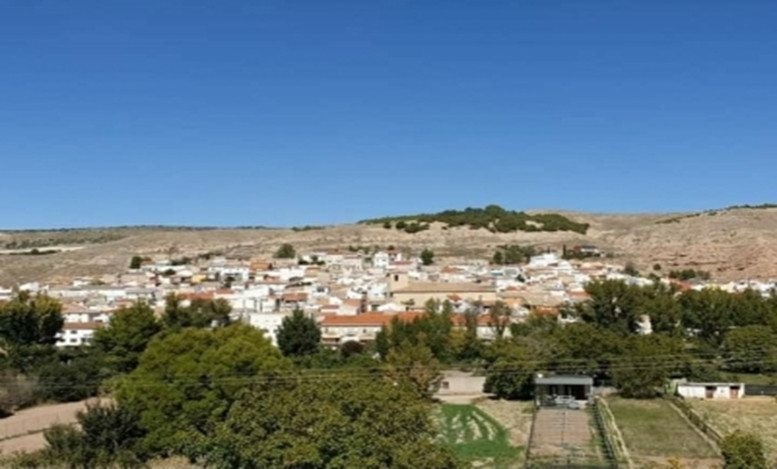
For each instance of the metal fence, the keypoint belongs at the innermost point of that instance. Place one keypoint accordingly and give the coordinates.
(760, 390)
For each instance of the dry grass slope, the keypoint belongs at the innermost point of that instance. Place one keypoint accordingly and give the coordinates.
(731, 244)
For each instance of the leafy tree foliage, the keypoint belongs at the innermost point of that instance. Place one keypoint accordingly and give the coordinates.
(493, 218)
(415, 364)
(199, 313)
(186, 382)
(647, 363)
(286, 251)
(433, 330)
(107, 436)
(427, 257)
(136, 262)
(613, 305)
(511, 254)
(76, 375)
(126, 336)
(709, 313)
(499, 317)
(750, 349)
(298, 335)
(345, 423)
(510, 375)
(689, 274)
(743, 451)
(29, 320)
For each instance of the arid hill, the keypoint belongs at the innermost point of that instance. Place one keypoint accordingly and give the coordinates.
(736, 243)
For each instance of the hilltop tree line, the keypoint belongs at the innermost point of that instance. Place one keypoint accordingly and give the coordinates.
(493, 218)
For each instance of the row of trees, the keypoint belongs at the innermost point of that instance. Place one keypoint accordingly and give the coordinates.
(189, 383)
(492, 217)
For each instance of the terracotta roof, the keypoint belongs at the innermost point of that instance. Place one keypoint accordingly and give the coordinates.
(367, 319)
(295, 296)
(196, 296)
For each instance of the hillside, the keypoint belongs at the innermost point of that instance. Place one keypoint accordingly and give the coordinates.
(735, 243)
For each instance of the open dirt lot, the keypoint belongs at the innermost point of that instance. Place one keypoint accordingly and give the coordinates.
(23, 430)
(756, 415)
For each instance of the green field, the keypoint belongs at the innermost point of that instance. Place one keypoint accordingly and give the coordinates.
(653, 430)
(477, 437)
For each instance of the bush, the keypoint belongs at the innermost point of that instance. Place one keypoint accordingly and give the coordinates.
(286, 251)
(743, 451)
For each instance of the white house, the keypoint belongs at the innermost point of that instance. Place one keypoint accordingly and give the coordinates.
(74, 334)
(711, 390)
(269, 323)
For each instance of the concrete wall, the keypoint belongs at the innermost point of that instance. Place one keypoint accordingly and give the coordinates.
(699, 391)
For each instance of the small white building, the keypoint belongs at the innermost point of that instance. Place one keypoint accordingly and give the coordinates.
(711, 390)
(74, 334)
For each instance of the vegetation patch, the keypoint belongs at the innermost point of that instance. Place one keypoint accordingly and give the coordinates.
(651, 428)
(757, 415)
(493, 218)
(476, 436)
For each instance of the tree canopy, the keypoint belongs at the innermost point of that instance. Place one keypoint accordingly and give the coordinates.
(186, 382)
(298, 335)
(344, 423)
(126, 336)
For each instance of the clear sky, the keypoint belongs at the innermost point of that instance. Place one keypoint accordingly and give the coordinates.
(284, 112)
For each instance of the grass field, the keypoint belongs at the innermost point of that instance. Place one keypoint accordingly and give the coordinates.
(652, 431)
(477, 437)
(752, 414)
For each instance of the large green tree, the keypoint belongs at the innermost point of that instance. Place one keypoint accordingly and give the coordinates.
(415, 364)
(510, 374)
(750, 349)
(709, 313)
(338, 423)
(613, 304)
(29, 320)
(186, 382)
(299, 335)
(126, 336)
(199, 313)
(647, 362)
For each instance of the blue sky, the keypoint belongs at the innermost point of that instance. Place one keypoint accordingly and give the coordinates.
(284, 112)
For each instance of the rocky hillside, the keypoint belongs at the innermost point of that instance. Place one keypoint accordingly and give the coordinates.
(732, 243)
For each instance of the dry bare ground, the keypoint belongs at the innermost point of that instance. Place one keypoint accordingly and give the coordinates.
(22, 431)
(757, 415)
(731, 244)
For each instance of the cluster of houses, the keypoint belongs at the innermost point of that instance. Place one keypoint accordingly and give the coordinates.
(352, 295)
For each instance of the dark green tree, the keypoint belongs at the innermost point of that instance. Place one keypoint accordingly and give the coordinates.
(136, 262)
(199, 313)
(29, 320)
(299, 335)
(344, 423)
(427, 257)
(126, 336)
(647, 362)
(499, 318)
(709, 313)
(286, 251)
(187, 381)
(107, 436)
(510, 375)
(750, 349)
(613, 305)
